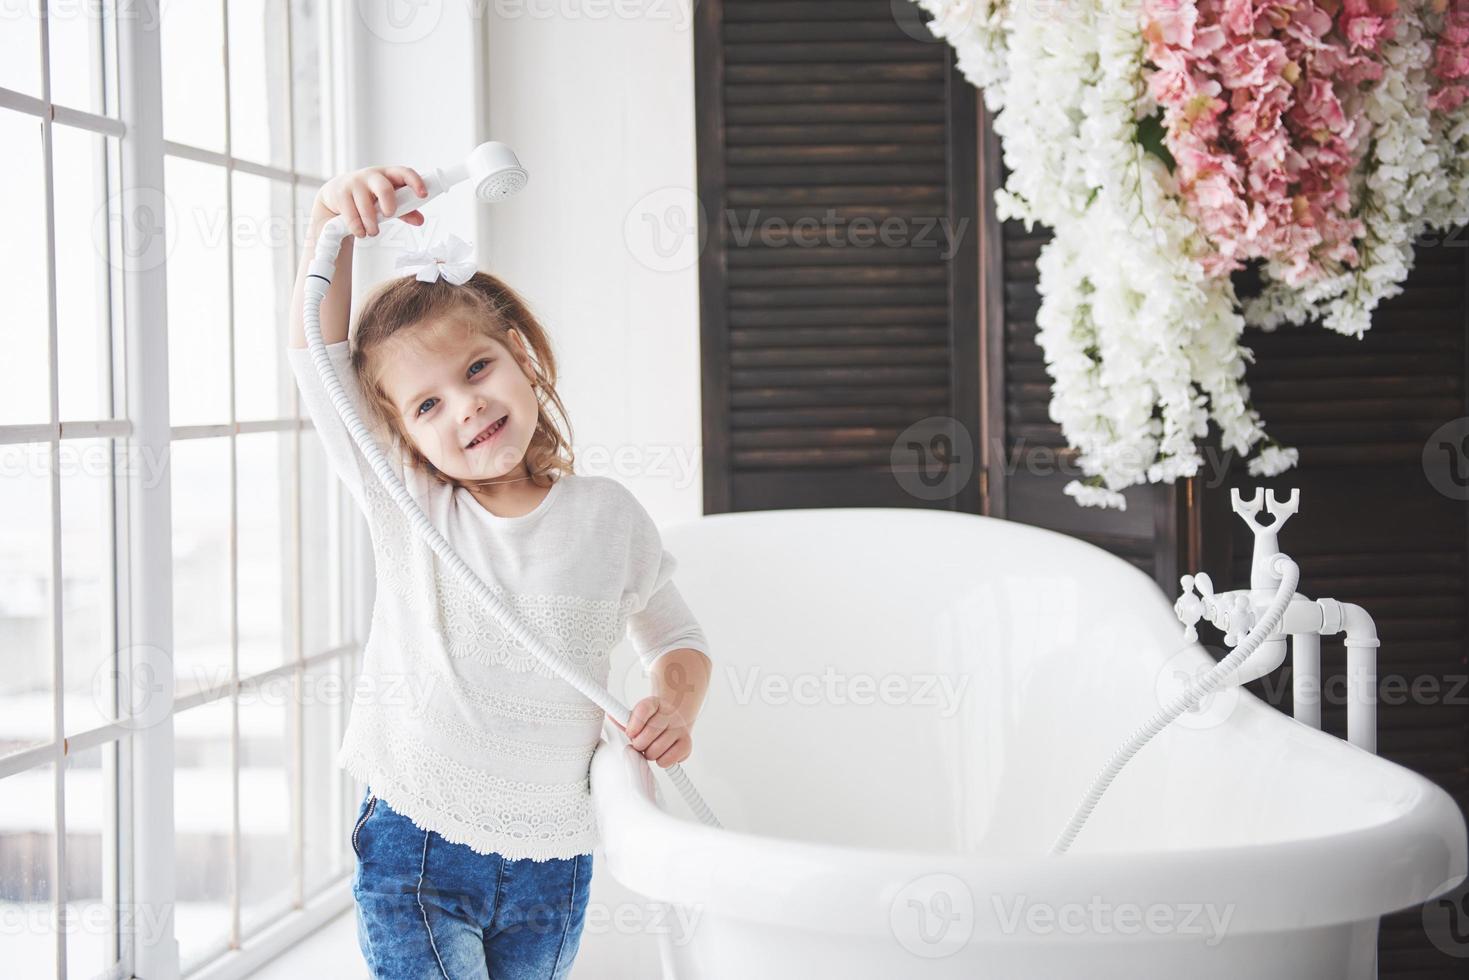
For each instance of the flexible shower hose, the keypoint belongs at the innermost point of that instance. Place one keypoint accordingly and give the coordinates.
(1289, 576)
(318, 280)
(328, 245)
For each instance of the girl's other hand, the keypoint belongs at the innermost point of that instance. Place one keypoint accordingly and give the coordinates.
(658, 730)
(361, 197)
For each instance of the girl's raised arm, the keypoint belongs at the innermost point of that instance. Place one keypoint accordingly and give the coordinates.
(354, 196)
(359, 197)
(337, 302)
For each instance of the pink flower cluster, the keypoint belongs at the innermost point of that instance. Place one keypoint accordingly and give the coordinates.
(1256, 98)
(1451, 56)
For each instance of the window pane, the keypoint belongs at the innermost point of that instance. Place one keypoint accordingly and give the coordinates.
(24, 386)
(20, 50)
(267, 858)
(320, 549)
(264, 502)
(202, 809)
(310, 56)
(259, 110)
(87, 636)
(76, 31)
(83, 318)
(193, 73)
(27, 845)
(330, 809)
(198, 294)
(91, 862)
(264, 278)
(200, 470)
(26, 712)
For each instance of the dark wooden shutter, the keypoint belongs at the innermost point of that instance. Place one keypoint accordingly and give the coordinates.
(1373, 529)
(815, 358)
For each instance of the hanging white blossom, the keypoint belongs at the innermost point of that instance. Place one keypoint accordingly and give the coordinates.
(1140, 330)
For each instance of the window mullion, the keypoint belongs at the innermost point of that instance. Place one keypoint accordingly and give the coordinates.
(297, 578)
(235, 877)
(145, 573)
(58, 668)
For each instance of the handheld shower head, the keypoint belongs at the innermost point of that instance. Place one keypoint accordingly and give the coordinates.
(496, 172)
(492, 166)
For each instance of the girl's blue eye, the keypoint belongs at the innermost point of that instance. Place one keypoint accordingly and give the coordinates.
(482, 360)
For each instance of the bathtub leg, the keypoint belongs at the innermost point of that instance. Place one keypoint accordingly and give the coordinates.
(1306, 678)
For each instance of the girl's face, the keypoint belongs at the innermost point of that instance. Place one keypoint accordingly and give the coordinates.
(450, 385)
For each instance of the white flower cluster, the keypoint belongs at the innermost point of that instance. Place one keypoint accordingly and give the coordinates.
(1142, 347)
(1053, 63)
(1414, 175)
(976, 30)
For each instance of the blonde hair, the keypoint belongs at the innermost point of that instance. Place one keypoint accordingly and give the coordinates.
(487, 305)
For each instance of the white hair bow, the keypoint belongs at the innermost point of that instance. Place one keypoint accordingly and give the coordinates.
(452, 258)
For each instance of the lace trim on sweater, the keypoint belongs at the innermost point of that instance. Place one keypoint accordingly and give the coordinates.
(465, 806)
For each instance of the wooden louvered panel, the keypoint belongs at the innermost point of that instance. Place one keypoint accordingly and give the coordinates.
(830, 295)
(871, 195)
(896, 317)
(792, 382)
(830, 146)
(755, 264)
(821, 49)
(895, 338)
(824, 73)
(818, 417)
(1373, 530)
(839, 134)
(851, 396)
(840, 173)
(1027, 384)
(786, 357)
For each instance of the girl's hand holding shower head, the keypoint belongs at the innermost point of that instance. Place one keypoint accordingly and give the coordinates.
(360, 196)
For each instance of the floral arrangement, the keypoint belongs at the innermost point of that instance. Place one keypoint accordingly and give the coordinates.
(1316, 138)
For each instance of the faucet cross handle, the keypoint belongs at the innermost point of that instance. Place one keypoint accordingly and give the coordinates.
(1237, 621)
(1191, 608)
(1281, 510)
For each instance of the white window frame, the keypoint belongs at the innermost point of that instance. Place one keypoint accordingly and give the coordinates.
(142, 589)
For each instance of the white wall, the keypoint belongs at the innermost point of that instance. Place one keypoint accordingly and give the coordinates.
(599, 108)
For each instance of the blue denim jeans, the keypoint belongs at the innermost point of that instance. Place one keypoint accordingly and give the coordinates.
(428, 908)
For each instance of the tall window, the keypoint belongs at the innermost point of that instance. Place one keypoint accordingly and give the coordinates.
(262, 624)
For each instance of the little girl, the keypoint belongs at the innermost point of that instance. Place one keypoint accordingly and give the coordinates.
(474, 837)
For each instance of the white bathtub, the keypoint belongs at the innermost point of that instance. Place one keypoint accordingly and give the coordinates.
(903, 828)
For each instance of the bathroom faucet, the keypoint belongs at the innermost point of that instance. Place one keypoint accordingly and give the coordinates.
(1305, 621)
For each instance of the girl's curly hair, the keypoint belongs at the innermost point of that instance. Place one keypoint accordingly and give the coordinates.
(488, 305)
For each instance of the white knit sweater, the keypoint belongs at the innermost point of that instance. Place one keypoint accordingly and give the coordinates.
(453, 724)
